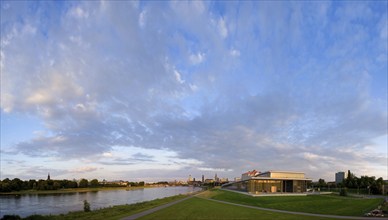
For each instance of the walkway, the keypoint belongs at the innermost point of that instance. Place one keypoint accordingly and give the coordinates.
(147, 212)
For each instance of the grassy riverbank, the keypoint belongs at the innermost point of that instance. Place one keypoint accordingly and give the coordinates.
(200, 208)
(110, 213)
(73, 190)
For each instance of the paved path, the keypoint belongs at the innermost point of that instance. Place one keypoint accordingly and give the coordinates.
(149, 211)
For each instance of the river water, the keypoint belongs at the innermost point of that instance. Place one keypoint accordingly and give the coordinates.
(26, 205)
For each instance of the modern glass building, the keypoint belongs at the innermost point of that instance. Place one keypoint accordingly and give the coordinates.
(272, 182)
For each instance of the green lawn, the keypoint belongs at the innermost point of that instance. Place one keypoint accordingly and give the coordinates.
(197, 208)
(319, 204)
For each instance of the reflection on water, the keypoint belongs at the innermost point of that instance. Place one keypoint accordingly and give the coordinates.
(44, 204)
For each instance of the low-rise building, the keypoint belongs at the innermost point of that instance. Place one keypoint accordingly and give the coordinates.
(271, 182)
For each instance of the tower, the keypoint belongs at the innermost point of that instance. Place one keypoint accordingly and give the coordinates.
(48, 176)
(203, 178)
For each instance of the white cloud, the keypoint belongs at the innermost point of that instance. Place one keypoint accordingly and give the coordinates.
(107, 154)
(215, 169)
(223, 30)
(197, 58)
(57, 85)
(146, 159)
(143, 18)
(85, 169)
(7, 103)
(175, 90)
(78, 12)
(178, 77)
(28, 29)
(235, 53)
(193, 87)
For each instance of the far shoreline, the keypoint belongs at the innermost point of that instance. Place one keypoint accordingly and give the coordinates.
(72, 190)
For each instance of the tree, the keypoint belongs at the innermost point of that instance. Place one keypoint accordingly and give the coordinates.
(83, 183)
(72, 184)
(56, 185)
(41, 185)
(376, 186)
(32, 184)
(50, 184)
(5, 186)
(86, 206)
(16, 184)
(322, 183)
(94, 183)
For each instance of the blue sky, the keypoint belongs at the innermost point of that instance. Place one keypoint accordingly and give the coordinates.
(162, 90)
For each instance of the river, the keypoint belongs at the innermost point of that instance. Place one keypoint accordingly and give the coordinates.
(26, 205)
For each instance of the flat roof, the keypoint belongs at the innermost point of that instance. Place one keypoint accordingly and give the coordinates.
(271, 178)
(277, 171)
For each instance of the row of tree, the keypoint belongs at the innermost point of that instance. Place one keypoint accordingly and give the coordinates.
(374, 185)
(17, 184)
(369, 183)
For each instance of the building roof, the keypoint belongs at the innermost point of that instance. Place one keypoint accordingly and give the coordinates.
(279, 171)
(251, 173)
(283, 178)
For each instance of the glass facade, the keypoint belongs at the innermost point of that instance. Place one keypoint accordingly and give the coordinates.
(264, 186)
(260, 186)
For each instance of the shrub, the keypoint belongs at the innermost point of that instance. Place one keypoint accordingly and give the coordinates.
(37, 217)
(86, 206)
(10, 217)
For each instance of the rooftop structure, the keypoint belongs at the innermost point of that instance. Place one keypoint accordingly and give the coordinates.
(249, 174)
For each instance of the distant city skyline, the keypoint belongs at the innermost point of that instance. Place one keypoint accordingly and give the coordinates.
(152, 91)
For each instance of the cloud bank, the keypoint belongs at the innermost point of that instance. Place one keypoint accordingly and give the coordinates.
(196, 87)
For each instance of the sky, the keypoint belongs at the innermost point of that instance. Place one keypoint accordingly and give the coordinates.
(157, 90)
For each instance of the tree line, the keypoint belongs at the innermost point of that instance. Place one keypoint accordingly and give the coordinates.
(368, 183)
(16, 184)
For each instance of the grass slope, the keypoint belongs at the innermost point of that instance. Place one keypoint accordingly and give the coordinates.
(197, 208)
(115, 212)
(318, 204)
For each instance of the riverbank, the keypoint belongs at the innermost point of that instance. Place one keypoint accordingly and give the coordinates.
(73, 190)
(110, 213)
(213, 205)
(57, 204)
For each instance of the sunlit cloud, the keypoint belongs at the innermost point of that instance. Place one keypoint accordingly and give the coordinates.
(127, 88)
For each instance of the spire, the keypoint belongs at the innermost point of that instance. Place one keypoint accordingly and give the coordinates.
(48, 176)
